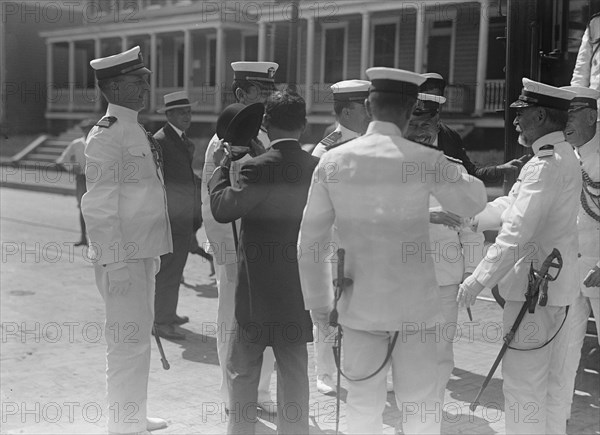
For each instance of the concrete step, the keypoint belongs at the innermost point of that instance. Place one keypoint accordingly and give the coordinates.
(41, 157)
(44, 149)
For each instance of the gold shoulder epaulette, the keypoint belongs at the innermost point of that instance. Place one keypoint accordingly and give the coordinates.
(331, 138)
(107, 121)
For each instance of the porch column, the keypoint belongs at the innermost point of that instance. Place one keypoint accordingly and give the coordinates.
(420, 38)
(262, 41)
(219, 69)
(310, 58)
(98, 95)
(123, 42)
(484, 27)
(364, 50)
(153, 68)
(71, 75)
(49, 74)
(187, 46)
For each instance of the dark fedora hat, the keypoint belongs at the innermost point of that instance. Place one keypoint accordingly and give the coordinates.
(237, 124)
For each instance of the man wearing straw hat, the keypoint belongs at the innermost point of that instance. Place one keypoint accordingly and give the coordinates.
(125, 210)
(180, 185)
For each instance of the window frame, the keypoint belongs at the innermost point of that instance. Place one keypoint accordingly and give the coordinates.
(430, 31)
(209, 39)
(385, 21)
(332, 26)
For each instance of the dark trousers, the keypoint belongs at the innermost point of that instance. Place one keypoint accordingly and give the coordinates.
(168, 280)
(244, 361)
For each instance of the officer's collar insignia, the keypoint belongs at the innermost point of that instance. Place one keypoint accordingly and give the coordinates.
(546, 151)
(332, 138)
(107, 121)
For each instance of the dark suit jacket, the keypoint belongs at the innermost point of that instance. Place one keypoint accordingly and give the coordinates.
(450, 143)
(180, 181)
(270, 201)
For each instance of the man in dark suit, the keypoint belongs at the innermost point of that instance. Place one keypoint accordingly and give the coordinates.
(426, 117)
(180, 186)
(269, 309)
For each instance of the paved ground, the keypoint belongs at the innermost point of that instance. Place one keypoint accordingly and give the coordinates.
(52, 348)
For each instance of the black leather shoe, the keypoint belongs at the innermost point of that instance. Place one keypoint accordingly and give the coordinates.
(180, 320)
(168, 332)
(81, 243)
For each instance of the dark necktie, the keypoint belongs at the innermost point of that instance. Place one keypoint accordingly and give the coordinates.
(189, 144)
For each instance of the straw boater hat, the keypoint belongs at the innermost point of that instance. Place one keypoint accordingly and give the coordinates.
(176, 100)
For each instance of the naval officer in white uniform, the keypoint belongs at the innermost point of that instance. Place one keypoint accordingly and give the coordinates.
(125, 211)
(377, 197)
(583, 133)
(538, 215)
(350, 114)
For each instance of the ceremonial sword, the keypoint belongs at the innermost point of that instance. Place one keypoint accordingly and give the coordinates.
(537, 292)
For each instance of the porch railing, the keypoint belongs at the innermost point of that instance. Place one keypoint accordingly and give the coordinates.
(494, 95)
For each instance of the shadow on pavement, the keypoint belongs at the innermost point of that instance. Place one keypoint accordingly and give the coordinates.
(586, 400)
(492, 396)
(459, 420)
(197, 347)
(203, 290)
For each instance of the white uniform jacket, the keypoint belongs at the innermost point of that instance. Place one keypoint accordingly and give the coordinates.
(587, 68)
(220, 236)
(539, 214)
(454, 252)
(340, 135)
(125, 206)
(589, 229)
(75, 155)
(376, 189)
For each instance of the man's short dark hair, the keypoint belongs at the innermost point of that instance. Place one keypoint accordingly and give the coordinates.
(338, 106)
(245, 86)
(105, 84)
(286, 110)
(388, 102)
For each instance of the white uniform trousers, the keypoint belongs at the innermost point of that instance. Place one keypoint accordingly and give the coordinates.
(445, 345)
(415, 373)
(324, 337)
(534, 384)
(576, 325)
(226, 279)
(129, 320)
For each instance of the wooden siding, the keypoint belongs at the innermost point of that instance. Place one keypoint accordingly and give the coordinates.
(465, 58)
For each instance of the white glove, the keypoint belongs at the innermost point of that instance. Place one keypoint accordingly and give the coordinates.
(468, 291)
(119, 281)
